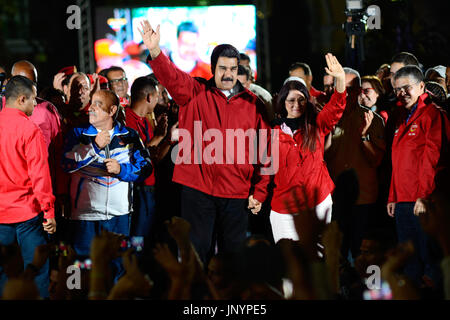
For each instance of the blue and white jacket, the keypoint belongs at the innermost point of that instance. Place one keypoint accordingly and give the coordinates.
(94, 194)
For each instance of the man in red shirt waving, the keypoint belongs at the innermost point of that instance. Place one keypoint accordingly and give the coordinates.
(215, 187)
(26, 198)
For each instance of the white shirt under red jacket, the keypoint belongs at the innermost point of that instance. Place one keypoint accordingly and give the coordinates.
(25, 183)
(418, 151)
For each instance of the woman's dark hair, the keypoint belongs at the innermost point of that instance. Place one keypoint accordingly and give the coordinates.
(436, 92)
(307, 123)
(223, 50)
(375, 83)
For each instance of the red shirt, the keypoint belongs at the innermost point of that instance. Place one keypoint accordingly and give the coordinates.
(46, 117)
(145, 130)
(417, 151)
(25, 183)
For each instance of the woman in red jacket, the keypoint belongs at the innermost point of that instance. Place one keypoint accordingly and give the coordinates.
(302, 171)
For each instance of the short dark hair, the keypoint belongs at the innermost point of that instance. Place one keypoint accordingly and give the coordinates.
(17, 86)
(223, 50)
(141, 87)
(104, 72)
(114, 68)
(187, 26)
(244, 56)
(302, 65)
(410, 71)
(244, 71)
(406, 58)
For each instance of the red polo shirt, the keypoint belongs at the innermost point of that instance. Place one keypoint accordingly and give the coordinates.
(145, 130)
(25, 183)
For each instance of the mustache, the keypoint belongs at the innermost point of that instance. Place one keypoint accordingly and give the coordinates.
(227, 79)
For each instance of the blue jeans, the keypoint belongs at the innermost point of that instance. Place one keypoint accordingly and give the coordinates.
(409, 228)
(29, 235)
(143, 217)
(83, 232)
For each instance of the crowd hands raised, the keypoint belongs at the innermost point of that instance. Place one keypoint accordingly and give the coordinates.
(322, 257)
(312, 267)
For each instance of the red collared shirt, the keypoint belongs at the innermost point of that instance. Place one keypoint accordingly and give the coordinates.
(25, 183)
(145, 130)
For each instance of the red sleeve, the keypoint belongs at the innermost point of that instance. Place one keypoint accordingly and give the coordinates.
(265, 169)
(332, 112)
(181, 86)
(433, 131)
(39, 173)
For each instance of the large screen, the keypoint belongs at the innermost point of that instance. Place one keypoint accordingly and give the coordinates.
(188, 36)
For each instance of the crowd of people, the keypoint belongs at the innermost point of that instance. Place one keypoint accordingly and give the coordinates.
(145, 194)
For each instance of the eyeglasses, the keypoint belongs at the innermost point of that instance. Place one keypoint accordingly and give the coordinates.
(366, 90)
(300, 100)
(405, 88)
(115, 81)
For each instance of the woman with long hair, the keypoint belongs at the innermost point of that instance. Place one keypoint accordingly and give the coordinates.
(303, 177)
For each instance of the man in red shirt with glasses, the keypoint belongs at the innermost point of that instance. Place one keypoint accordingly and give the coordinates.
(419, 151)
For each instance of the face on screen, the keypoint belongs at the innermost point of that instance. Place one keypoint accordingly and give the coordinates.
(187, 45)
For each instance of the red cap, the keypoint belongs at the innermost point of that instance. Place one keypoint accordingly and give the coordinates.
(101, 79)
(68, 70)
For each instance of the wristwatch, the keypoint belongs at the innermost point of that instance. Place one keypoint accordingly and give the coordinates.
(365, 138)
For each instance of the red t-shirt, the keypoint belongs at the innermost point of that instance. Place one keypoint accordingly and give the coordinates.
(145, 130)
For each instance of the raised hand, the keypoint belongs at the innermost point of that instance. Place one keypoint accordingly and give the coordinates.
(368, 117)
(150, 37)
(178, 228)
(333, 67)
(57, 81)
(162, 124)
(105, 247)
(335, 70)
(96, 86)
(134, 283)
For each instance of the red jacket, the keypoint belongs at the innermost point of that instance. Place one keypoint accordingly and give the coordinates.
(25, 183)
(302, 168)
(202, 101)
(416, 152)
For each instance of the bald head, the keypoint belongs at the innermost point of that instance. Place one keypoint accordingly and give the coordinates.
(26, 69)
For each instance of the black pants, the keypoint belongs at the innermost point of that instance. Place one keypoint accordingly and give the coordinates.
(214, 219)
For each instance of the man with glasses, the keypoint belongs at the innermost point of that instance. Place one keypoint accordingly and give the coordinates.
(357, 144)
(417, 154)
(118, 83)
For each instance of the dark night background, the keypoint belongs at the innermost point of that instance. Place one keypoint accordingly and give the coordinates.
(302, 30)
